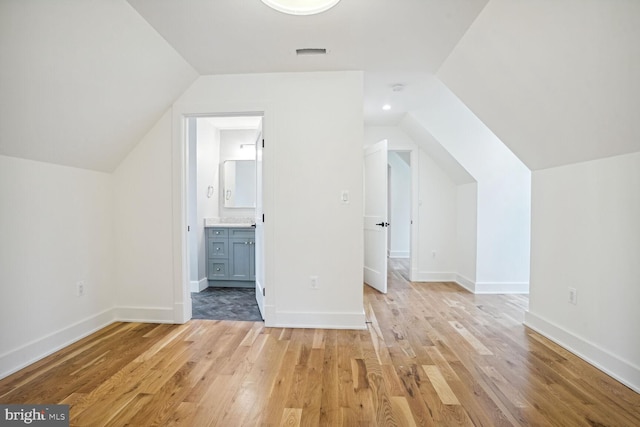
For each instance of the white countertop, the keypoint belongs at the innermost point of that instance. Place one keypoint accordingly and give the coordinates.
(229, 225)
(229, 222)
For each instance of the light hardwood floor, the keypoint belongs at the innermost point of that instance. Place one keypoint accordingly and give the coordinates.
(432, 354)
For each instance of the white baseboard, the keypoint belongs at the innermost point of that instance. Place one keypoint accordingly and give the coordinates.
(399, 254)
(14, 360)
(145, 314)
(501, 288)
(182, 311)
(319, 320)
(468, 284)
(434, 276)
(199, 285)
(622, 370)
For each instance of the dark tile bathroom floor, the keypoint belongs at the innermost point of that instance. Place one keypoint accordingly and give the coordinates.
(226, 304)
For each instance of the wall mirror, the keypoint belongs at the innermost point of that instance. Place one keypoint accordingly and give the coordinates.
(239, 178)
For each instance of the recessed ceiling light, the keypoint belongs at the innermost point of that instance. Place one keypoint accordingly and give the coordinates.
(301, 7)
(386, 107)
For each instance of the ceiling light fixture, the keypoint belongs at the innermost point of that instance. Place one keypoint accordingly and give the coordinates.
(386, 107)
(301, 7)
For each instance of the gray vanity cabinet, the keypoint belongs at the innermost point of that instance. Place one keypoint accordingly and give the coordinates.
(242, 251)
(217, 254)
(230, 255)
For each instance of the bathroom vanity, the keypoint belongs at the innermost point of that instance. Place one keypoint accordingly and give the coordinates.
(231, 255)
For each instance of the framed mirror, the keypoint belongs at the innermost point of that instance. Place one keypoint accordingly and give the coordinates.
(239, 179)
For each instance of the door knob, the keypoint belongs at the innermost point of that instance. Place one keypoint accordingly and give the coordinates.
(383, 224)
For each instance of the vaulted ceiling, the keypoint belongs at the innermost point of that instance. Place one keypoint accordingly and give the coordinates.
(81, 81)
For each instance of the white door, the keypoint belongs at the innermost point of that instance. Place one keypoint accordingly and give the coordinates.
(375, 216)
(259, 239)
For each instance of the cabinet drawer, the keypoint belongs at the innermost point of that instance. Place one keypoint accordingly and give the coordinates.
(217, 248)
(217, 269)
(217, 232)
(241, 233)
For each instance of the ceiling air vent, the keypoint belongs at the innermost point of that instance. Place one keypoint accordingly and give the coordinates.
(311, 51)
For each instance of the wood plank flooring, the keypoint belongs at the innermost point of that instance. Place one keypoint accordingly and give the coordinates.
(432, 355)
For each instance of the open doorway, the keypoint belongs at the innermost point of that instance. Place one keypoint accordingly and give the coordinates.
(390, 204)
(221, 210)
(399, 212)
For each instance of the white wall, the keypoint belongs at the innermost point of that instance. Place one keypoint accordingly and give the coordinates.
(308, 231)
(56, 224)
(399, 207)
(586, 235)
(143, 213)
(467, 234)
(504, 190)
(437, 221)
(207, 165)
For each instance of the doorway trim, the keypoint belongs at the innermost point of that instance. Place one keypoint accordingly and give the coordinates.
(182, 308)
(414, 158)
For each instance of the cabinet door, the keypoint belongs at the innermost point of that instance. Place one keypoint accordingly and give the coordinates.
(240, 259)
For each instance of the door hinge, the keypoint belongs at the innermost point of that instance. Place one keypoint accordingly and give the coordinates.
(264, 292)
(262, 217)
(188, 228)
(262, 142)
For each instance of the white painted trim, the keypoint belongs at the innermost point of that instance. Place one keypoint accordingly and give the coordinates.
(466, 283)
(145, 314)
(434, 276)
(414, 274)
(320, 320)
(399, 254)
(199, 285)
(16, 359)
(269, 315)
(180, 111)
(502, 288)
(624, 371)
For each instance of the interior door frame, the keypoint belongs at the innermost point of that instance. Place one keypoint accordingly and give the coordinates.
(182, 304)
(414, 203)
(414, 155)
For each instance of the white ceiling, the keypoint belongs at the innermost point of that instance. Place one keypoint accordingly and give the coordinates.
(82, 82)
(392, 41)
(556, 81)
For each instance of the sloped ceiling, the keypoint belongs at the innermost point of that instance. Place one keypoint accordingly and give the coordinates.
(418, 133)
(392, 41)
(82, 81)
(557, 81)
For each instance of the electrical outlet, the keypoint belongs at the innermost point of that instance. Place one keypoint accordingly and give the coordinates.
(314, 282)
(573, 296)
(80, 288)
